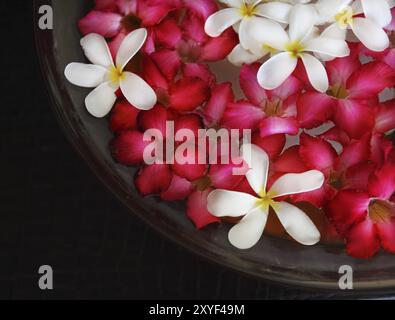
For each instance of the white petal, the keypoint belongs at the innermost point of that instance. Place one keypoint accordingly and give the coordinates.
(249, 230)
(294, 183)
(329, 8)
(329, 46)
(240, 56)
(258, 162)
(101, 100)
(276, 70)
(316, 73)
(96, 50)
(85, 75)
(222, 20)
(223, 203)
(370, 34)
(277, 11)
(377, 11)
(130, 46)
(301, 21)
(233, 3)
(297, 224)
(334, 32)
(138, 92)
(260, 32)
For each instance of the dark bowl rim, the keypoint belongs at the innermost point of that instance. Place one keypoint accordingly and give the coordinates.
(44, 43)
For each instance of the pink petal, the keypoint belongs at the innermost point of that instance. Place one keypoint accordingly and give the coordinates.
(154, 11)
(353, 154)
(123, 117)
(347, 209)
(290, 162)
(216, 49)
(127, 7)
(357, 177)
(221, 96)
(106, 5)
(115, 43)
(167, 61)
(128, 148)
(250, 86)
(199, 70)
(277, 125)
(202, 8)
(340, 70)
(222, 176)
(179, 189)
(188, 93)
(153, 179)
(197, 209)
(242, 115)
(191, 169)
(314, 109)
(382, 183)
(290, 87)
(337, 135)
(355, 117)
(273, 145)
(155, 118)
(386, 233)
(363, 241)
(106, 24)
(153, 76)
(365, 83)
(385, 118)
(168, 34)
(194, 34)
(317, 153)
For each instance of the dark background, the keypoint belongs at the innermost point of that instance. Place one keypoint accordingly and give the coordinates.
(54, 212)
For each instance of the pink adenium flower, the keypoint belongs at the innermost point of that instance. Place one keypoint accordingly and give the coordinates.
(269, 111)
(366, 217)
(115, 19)
(352, 97)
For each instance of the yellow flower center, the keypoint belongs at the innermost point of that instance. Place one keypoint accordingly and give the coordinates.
(266, 200)
(381, 211)
(295, 49)
(248, 10)
(345, 18)
(270, 49)
(115, 75)
(338, 91)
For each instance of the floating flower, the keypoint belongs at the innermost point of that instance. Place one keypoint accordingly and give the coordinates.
(255, 209)
(352, 96)
(108, 77)
(241, 13)
(345, 14)
(292, 46)
(367, 217)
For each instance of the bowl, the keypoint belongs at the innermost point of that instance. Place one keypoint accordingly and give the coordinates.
(274, 260)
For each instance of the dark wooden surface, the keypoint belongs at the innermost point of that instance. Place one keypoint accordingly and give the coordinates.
(54, 212)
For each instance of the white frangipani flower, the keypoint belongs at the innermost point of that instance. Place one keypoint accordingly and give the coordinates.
(292, 46)
(108, 77)
(241, 13)
(255, 210)
(343, 14)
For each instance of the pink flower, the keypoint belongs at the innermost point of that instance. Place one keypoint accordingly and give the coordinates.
(187, 40)
(366, 217)
(352, 96)
(114, 19)
(179, 87)
(271, 112)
